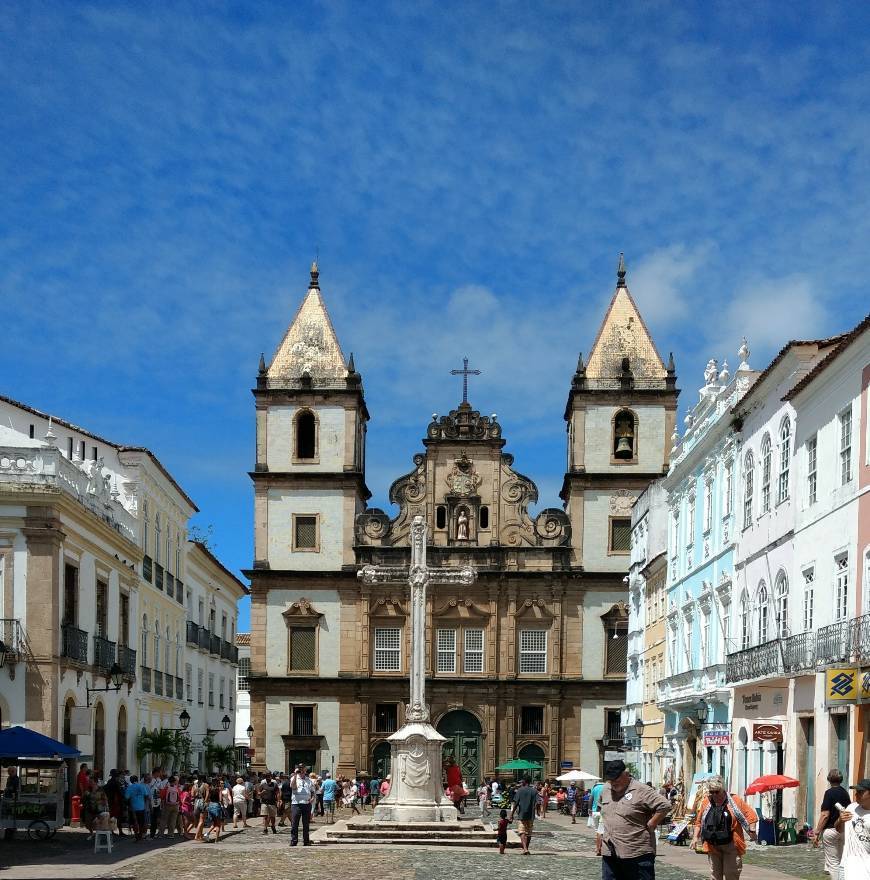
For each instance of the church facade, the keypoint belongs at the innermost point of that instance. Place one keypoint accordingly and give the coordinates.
(530, 660)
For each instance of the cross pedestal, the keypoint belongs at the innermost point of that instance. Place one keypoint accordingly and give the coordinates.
(416, 793)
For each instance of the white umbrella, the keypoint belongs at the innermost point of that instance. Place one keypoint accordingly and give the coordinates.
(577, 776)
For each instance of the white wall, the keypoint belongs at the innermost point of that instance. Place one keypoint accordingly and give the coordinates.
(282, 504)
(278, 723)
(280, 439)
(650, 438)
(327, 603)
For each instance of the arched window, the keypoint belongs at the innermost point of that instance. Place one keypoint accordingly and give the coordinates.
(69, 738)
(306, 435)
(100, 740)
(157, 644)
(121, 739)
(765, 474)
(624, 444)
(782, 627)
(144, 659)
(762, 609)
(440, 517)
(157, 537)
(784, 459)
(744, 621)
(484, 517)
(748, 474)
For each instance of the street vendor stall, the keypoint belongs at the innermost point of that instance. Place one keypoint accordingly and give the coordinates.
(33, 794)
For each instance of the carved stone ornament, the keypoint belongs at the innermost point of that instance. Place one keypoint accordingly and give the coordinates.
(302, 608)
(621, 502)
(463, 479)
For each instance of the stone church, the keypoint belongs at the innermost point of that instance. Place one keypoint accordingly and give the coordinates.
(530, 661)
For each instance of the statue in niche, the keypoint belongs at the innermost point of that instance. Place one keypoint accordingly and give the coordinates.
(462, 525)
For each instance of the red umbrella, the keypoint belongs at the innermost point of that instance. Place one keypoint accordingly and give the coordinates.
(771, 782)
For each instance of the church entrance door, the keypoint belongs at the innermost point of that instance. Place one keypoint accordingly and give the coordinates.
(381, 761)
(463, 734)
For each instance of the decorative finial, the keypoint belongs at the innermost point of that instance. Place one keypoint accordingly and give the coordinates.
(315, 275)
(115, 493)
(350, 365)
(50, 436)
(581, 367)
(672, 368)
(743, 353)
(724, 375)
(262, 368)
(620, 271)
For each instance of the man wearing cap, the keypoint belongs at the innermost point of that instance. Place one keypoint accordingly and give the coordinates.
(721, 826)
(630, 814)
(854, 825)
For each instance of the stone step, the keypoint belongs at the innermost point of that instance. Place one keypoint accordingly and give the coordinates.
(398, 835)
(481, 842)
(440, 827)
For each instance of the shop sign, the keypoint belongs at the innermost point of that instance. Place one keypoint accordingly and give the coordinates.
(566, 765)
(841, 686)
(767, 733)
(761, 702)
(864, 686)
(717, 737)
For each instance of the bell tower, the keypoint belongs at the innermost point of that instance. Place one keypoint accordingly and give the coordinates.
(620, 415)
(309, 475)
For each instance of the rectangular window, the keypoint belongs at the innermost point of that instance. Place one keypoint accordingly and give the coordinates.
(708, 506)
(812, 476)
(533, 650)
(532, 720)
(69, 448)
(221, 688)
(388, 648)
(809, 598)
(70, 595)
(765, 475)
(845, 446)
(200, 676)
(303, 721)
(690, 523)
(305, 533)
(302, 655)
(102, 598)
(748, 476)
(244, 673)
(446, 639)
(841, 569)
(705, 640)
(82, 452)
(473, 657)
(729, 487)
(386, 717)
(124, 619)
(32, 431)
(784, 465)
(224, 626)
(188, 682)
(211, 690)
(620, 535)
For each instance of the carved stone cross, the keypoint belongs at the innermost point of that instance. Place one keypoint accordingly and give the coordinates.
(418, 577)
(465, 373)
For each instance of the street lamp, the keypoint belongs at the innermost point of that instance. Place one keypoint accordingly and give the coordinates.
(703, 711)
(114, 679)
(184, 719)
(250, 731)
(605, 740)
(226, 722)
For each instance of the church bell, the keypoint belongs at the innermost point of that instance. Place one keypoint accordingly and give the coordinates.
(623, 448)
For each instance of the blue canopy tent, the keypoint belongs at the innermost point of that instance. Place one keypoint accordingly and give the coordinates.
(20, 742)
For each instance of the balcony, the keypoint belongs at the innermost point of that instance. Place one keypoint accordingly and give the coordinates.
(74, 643)
(158, 576)
(234, 655)
(147, 568)
(215, 646)
(799, 653)
(833, 643)
(145, 673)
(179, 688)
(179, 591)
(170, 584)
(204, 638)
(104, 653)
(127, 660)
(760, 661)
(192, 633)
(12, 636)
(158, 683)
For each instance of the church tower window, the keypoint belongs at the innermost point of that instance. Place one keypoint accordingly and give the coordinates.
(624, 436)
(306, 435)
(620, 535)
(305, 533)
(484, 517)
(441, 517)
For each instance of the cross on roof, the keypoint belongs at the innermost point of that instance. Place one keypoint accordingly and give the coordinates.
(465, 373)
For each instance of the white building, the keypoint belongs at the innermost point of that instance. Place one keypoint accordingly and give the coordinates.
(243, 701)
(93, 566)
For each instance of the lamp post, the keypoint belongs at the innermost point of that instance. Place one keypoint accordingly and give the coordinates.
(184, 721)
(114, 680)
(703, 711)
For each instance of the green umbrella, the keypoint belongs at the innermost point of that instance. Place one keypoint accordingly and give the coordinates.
(519, 764)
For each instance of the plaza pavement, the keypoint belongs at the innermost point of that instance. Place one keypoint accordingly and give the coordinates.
(559, 851)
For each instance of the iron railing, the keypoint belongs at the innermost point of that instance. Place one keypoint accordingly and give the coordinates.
(832, 643)
(12, 636)
(179, 688)
(170, 584)
(74, 643)
(104, 653)
(158, 683)
(192, 633)
(127, 660)
(146, 678)
(204, 638)
(215, 646)
(179, 591)
(158, 579)
(799, 652)
(147, 568)
(759, 661)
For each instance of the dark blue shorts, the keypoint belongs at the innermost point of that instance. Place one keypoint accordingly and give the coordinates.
(641, 868)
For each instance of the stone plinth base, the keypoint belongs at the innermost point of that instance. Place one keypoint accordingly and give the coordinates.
(472, 833)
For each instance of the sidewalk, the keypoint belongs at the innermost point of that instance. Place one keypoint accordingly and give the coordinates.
(799, 857)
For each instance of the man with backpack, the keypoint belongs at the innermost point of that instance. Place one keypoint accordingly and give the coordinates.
(722, 821)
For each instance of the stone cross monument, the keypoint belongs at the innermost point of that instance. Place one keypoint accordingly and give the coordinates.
(416, 793)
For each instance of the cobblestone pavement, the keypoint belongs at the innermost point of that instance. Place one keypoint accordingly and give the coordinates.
(799, 860)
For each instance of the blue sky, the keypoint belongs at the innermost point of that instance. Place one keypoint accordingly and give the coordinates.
(469, 173)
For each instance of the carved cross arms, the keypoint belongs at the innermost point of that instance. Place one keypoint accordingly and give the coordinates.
(397, 574)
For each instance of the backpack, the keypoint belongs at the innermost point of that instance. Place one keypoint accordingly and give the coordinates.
(171, 795)
(717, 826)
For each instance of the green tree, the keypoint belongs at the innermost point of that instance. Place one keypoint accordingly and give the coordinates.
(218, 757)
(165, 748)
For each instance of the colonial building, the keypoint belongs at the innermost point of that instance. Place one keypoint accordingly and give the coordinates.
(242, 739)
(528, 662)
(93, 570)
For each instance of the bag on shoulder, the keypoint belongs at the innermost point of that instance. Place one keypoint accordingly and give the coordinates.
(717, 826)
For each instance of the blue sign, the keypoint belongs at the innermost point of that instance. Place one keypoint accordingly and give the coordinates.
(566, 765)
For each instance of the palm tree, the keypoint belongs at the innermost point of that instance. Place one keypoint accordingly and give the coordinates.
(222, 757)
(165, 747)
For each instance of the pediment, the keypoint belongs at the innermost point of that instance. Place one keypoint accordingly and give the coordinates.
(534, 608)
(459, 609)
(388, 606)
(302, 609)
